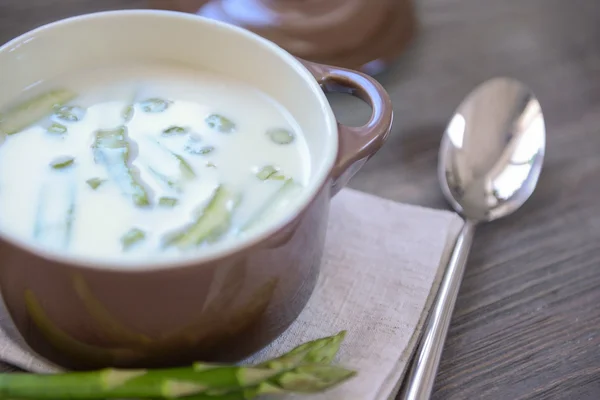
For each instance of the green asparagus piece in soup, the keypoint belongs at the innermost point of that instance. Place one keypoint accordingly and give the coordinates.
(94, 183)
(220, 123)
(112, 148)
(168, 181)
(168, 201)
(269, 172)
(62, 162)
(186, 170)
(175, 130)
(132, 237)
(25, 114)
(155, 105)
(210, 225)
(195, 146)
(204, 150)
(70, 113)
(127, 113)
(129, 110)
(57, 128)
(280, 135)
(56, 210)
(284, 192)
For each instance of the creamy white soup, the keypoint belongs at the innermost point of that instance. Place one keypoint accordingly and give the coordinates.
(145, 161)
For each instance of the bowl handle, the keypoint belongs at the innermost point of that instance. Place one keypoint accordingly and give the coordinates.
(356, 144)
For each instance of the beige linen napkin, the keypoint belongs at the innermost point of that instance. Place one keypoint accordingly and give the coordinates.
(382, 266)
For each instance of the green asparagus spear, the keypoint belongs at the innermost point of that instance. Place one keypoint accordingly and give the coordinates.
(210, 225)
(21, 116)
(305, 379)
(322, 350)
(111, 148)
(291, 372)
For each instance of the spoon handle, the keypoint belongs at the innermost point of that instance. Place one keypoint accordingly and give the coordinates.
(419, 384)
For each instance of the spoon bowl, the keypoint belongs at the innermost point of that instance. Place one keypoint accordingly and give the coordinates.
(492, 150)
(490, 161)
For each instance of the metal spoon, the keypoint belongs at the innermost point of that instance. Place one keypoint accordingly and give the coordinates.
(489, 163)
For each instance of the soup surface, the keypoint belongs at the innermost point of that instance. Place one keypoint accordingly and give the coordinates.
(146, 161)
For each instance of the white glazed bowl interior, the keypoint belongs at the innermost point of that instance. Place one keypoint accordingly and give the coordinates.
(119, 37)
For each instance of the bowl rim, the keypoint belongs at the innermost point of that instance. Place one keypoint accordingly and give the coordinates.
(219, 250)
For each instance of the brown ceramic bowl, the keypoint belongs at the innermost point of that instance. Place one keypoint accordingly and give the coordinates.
(231, 299)
(368, 35)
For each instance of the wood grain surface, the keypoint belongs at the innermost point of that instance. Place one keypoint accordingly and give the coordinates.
(527, 320)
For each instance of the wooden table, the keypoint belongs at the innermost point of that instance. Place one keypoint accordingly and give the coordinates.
(527, 320)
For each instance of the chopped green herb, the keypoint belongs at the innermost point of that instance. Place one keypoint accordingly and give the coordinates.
(127, 113)
(94, 183)
(210, 165)
(111, 148)
(220, 123)
(62, 162)
(132, 237)
(155, 105)
(269, 172)
(281, 135)
(211, 225)
(25, 114)
(70, 113)
(57, 128)
(175, 130)
(168, 201)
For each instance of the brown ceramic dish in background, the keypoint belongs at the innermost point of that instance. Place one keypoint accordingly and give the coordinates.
(230, 300)
(366, 35)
